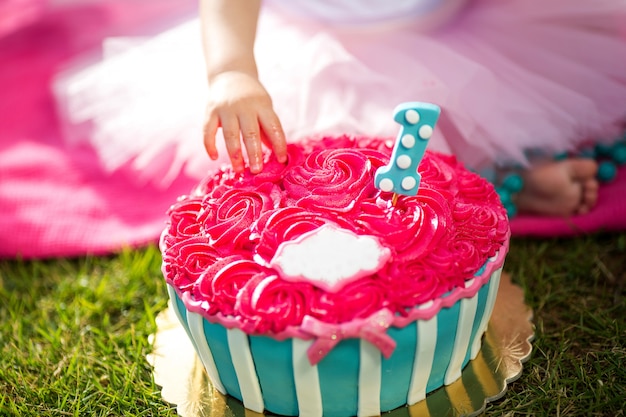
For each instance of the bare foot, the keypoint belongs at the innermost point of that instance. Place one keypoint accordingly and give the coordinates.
(559, 188)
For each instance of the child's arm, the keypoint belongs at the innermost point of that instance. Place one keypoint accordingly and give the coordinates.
(237, 102)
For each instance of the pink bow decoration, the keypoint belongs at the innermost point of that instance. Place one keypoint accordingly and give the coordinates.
(373, 329)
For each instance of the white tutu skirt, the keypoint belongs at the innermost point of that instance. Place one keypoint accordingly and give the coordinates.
(509, 75)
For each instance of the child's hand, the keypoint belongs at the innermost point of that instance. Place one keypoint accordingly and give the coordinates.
(241, 106)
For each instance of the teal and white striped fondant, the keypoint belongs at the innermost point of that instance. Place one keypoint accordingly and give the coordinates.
(354, 379)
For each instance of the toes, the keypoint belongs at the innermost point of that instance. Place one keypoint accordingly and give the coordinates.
(590, 193)
(588, 196)
(584, 172)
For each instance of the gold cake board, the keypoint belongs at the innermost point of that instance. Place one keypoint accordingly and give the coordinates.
(506, 346)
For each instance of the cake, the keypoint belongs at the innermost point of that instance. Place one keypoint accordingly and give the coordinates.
(308, 290)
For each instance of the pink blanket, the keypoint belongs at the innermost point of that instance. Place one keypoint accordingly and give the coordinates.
(56, 200)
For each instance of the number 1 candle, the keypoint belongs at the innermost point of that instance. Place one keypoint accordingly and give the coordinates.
(417, 122)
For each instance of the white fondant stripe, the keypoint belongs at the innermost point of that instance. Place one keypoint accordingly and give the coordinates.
(244, 368)
(462, 340)
(196, 327)
(370, 379)
(306, 380)
(491, 301)
(425, 352)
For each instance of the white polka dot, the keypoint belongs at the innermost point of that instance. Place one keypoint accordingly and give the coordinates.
(426, 132)
(385, 185)
(403, 161)
(408, 141)
(408, 183)
(412, 116)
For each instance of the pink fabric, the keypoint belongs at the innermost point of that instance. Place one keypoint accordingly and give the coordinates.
(15, 14)
(57, 200)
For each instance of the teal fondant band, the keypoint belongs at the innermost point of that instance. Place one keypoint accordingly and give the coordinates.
(218, 343)
(397, 370)
(275, 374)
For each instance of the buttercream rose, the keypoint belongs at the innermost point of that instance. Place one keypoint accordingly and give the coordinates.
(330, 179)
(358, 299)
(438, 173)
(274, 171)
(484, 226)
(216, 184)
(226, 220)
(474, 189)
(410, 227)
(376, 158)
(458, 260)
(410, 283)
(270, 304)
(398, 227)
(468, 259)
(183, 221)
(184, 262)
(219, 285)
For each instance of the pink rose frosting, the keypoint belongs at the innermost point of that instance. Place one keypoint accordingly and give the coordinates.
(183, 219)
(226, 220)
(440, 173)
(268, 304)
(186, 260)
(223, 281)
(330, 179)
(220, 239)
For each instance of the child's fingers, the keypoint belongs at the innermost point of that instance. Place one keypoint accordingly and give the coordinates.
(274, 133)
(249, 127)
(231, 132)
(210, 129)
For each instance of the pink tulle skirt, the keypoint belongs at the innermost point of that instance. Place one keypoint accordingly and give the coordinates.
(509, 75)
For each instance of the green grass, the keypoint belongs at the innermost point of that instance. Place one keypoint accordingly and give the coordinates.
(74, 333)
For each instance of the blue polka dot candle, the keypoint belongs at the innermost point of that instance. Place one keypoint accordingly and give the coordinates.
(417, 122)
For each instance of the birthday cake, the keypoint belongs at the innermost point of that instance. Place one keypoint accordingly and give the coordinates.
(316, 288)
